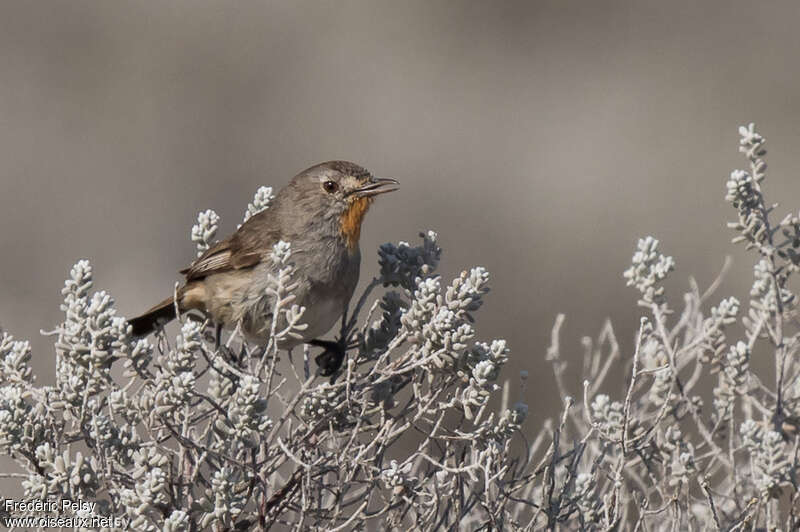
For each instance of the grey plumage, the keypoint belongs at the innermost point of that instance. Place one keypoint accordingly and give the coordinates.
(319, 212)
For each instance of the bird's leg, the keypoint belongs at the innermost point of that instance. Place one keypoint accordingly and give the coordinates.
(221, 348)
(218, 337)
(329, 361)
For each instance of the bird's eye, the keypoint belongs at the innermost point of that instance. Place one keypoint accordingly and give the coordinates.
(330, 186)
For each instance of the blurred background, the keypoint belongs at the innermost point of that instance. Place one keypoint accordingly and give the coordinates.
(540, 139)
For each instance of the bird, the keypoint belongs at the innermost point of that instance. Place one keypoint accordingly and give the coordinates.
(319, 213)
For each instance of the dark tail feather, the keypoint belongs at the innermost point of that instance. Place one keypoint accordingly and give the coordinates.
(152, 319)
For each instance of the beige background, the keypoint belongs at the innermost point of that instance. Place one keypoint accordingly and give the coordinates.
(540, 139)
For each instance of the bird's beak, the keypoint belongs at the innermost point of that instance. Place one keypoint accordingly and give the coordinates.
(375, 186)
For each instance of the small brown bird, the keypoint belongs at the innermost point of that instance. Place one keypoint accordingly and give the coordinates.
(319, 213)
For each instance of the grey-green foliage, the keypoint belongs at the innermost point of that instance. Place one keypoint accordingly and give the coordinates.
(655, 456)
(181, 434)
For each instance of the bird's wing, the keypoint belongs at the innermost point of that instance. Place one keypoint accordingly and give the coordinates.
(243, 249)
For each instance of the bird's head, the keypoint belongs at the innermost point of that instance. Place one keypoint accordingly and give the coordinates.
(339, 192)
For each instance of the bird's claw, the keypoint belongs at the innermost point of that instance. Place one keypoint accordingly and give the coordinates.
(329, 361)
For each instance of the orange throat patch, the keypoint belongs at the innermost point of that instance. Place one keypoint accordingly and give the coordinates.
(351, 221)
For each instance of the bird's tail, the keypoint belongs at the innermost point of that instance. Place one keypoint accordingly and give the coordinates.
(156, 317)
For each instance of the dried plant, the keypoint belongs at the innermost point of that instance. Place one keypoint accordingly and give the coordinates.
(191, 435)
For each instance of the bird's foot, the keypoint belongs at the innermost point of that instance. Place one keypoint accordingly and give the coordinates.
(329, 361)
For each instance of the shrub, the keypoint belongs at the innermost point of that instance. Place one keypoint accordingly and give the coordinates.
(190, 435)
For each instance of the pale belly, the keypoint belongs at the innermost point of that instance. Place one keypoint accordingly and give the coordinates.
(242, 298)
(319, 316)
